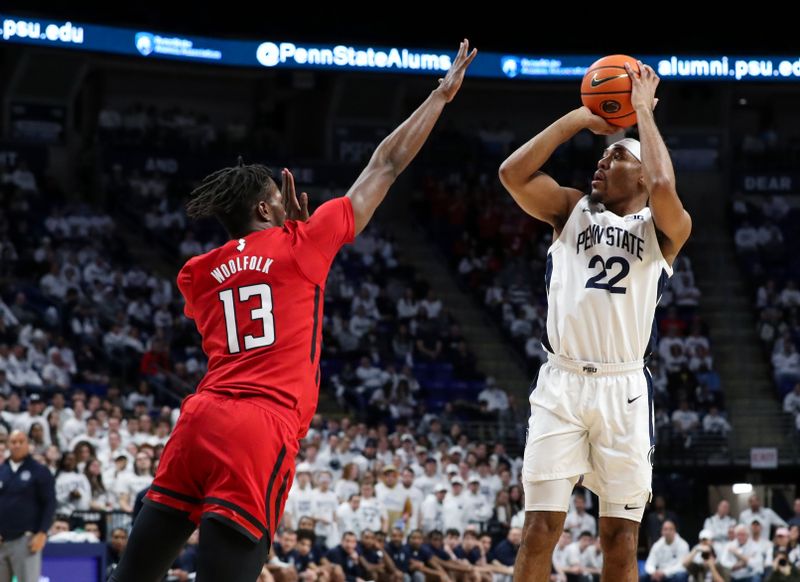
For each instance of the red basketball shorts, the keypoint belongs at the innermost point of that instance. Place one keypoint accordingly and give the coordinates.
(230, 459)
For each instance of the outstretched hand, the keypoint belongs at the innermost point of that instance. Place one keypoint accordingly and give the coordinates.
(643, 86)
(295, 209)
(451, 83)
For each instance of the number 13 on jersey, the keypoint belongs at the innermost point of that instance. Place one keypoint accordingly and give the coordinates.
(263, 313)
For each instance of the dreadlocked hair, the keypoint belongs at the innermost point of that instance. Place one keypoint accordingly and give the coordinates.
(230, 194)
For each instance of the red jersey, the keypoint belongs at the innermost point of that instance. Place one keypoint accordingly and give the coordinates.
(257, 302)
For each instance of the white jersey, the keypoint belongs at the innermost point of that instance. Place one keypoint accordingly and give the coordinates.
(605, 274)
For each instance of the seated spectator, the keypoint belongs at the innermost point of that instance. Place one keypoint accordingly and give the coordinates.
(782, 569)
(685, 422)
(560, 554)
(504, 556)
(665, 561)
(702, 562)
(421, 560)
(787, 364)
(742, 557)
(346, 556)
(583, 559)
(578, 520)
(715, 424)
(185, 565)
(115, 548)
(307, 558)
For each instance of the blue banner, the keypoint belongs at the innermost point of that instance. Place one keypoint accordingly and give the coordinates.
(284, 54)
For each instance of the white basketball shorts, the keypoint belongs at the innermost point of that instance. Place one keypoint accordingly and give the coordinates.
(594, 420)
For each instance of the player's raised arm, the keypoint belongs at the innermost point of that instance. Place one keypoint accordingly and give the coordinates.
(397, 150)
(537, 193)
(669, 215)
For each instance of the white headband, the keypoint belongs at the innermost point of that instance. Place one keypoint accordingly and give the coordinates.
(632, 145)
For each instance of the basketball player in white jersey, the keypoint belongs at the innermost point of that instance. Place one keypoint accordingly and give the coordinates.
(592, 409)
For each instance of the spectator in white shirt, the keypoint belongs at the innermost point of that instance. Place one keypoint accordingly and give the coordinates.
(790, 296)
(583, 559)
(763, 542)
(719, 524)
(494, 395)
(765, 515)
(534, 349)
(371, 376)
(23, 178)
(407, 306)
(786, 364)
(347, 515)
(392, 495)
(696, 339)
(685, 422)
(791, 402)
(56, 372)
(746, 238)
(742, 557)
(454, 506)
(477, 506)
(360, 324)
(701, 358)
(365, 301)
(19, 370)
(665, 561)
(433, 509)
(323, 509)
(431, 305)
(73, 491)
(91, 435)
(414, 498)
(53, 284)
(300, 500)
(560, 564)
(372, 513)
(578, 520)
(715, 424)
(429, 479)
(347, 484)
(490, 484)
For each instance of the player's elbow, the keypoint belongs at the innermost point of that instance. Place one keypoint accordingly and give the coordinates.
(513, 178)
(507, 174)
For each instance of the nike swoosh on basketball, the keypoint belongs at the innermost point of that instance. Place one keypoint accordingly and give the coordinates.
(630, 400)
(629, 508)
(596, 82)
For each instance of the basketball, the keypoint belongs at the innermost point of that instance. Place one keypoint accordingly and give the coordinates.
(606, 90)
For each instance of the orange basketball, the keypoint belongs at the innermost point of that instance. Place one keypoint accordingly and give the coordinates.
(606, 90)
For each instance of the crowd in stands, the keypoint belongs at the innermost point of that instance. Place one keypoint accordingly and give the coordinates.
(765, 227)
(95, 356)
(177, 129)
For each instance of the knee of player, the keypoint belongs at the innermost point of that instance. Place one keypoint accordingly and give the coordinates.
(542, 529)
(619, 539)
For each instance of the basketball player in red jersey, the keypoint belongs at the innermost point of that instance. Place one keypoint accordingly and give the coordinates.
(257, 302)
